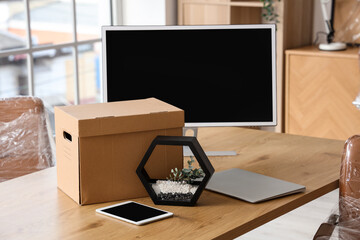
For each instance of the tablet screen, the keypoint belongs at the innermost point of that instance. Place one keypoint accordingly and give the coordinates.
(134, 212)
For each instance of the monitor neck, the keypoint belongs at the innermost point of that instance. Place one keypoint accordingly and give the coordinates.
(193, 129)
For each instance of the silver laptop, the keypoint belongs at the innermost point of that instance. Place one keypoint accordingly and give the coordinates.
(249, 186)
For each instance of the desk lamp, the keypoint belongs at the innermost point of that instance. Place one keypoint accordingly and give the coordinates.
(329, 46)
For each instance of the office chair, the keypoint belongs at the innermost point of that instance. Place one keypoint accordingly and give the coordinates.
(345, 223)
(25, 143)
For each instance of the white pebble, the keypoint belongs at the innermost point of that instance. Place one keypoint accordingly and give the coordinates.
(175, 187)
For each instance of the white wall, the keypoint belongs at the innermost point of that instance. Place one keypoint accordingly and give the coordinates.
(149, 12)
(318, 21)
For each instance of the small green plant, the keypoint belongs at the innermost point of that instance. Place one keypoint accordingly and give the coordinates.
(175, 175)
(186, 174)
(269, 13)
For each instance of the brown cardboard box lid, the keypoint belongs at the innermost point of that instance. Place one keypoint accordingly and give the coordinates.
(123, 117)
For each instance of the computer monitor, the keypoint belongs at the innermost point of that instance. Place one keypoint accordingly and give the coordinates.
(220, 75)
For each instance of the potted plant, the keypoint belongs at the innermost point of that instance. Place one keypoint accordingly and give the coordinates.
(182, 187)
(269, 11)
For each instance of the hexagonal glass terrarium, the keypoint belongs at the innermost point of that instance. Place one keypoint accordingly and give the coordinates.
(182, 185)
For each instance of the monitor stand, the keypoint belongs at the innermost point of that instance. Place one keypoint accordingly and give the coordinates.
(188, 152)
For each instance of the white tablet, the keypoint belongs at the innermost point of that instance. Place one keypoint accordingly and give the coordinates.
(133, 212)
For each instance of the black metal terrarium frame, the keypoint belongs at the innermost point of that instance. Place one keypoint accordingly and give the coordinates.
(200, 156)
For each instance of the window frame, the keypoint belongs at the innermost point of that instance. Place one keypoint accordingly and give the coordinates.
(30, 49)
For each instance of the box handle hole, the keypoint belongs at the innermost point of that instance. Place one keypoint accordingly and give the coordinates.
(67, 136)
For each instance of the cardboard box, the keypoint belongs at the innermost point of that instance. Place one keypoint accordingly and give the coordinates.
(99, 146)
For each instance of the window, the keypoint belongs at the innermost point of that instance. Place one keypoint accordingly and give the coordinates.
(51, 49)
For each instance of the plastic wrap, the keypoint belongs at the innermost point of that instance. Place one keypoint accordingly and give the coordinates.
(344, 221)
(348, 17)
(356, 101)
(25, 143)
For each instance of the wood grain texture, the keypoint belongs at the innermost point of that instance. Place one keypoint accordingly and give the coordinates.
(321, 87)
(293, 30)
(203, 12)
(299, 224)
(31, 207)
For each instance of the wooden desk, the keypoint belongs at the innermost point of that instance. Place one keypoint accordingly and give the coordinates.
(31, 207)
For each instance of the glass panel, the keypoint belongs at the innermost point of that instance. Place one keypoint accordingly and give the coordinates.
(54, 76)
(51, 21)
(90, 16)
(89, 73)
(12, 26)
(54, 79)
(13, 76)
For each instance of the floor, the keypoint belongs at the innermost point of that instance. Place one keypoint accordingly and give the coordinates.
(299, 224)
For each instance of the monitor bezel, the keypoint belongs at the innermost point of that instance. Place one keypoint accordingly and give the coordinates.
(272, 27)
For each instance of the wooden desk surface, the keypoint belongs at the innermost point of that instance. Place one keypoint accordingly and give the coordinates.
(31, 207)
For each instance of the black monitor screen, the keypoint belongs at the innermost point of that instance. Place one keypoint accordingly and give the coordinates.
(217, 75)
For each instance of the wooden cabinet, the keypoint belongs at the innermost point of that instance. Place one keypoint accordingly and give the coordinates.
(294, 28)
(197, 12)
(320, 89)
